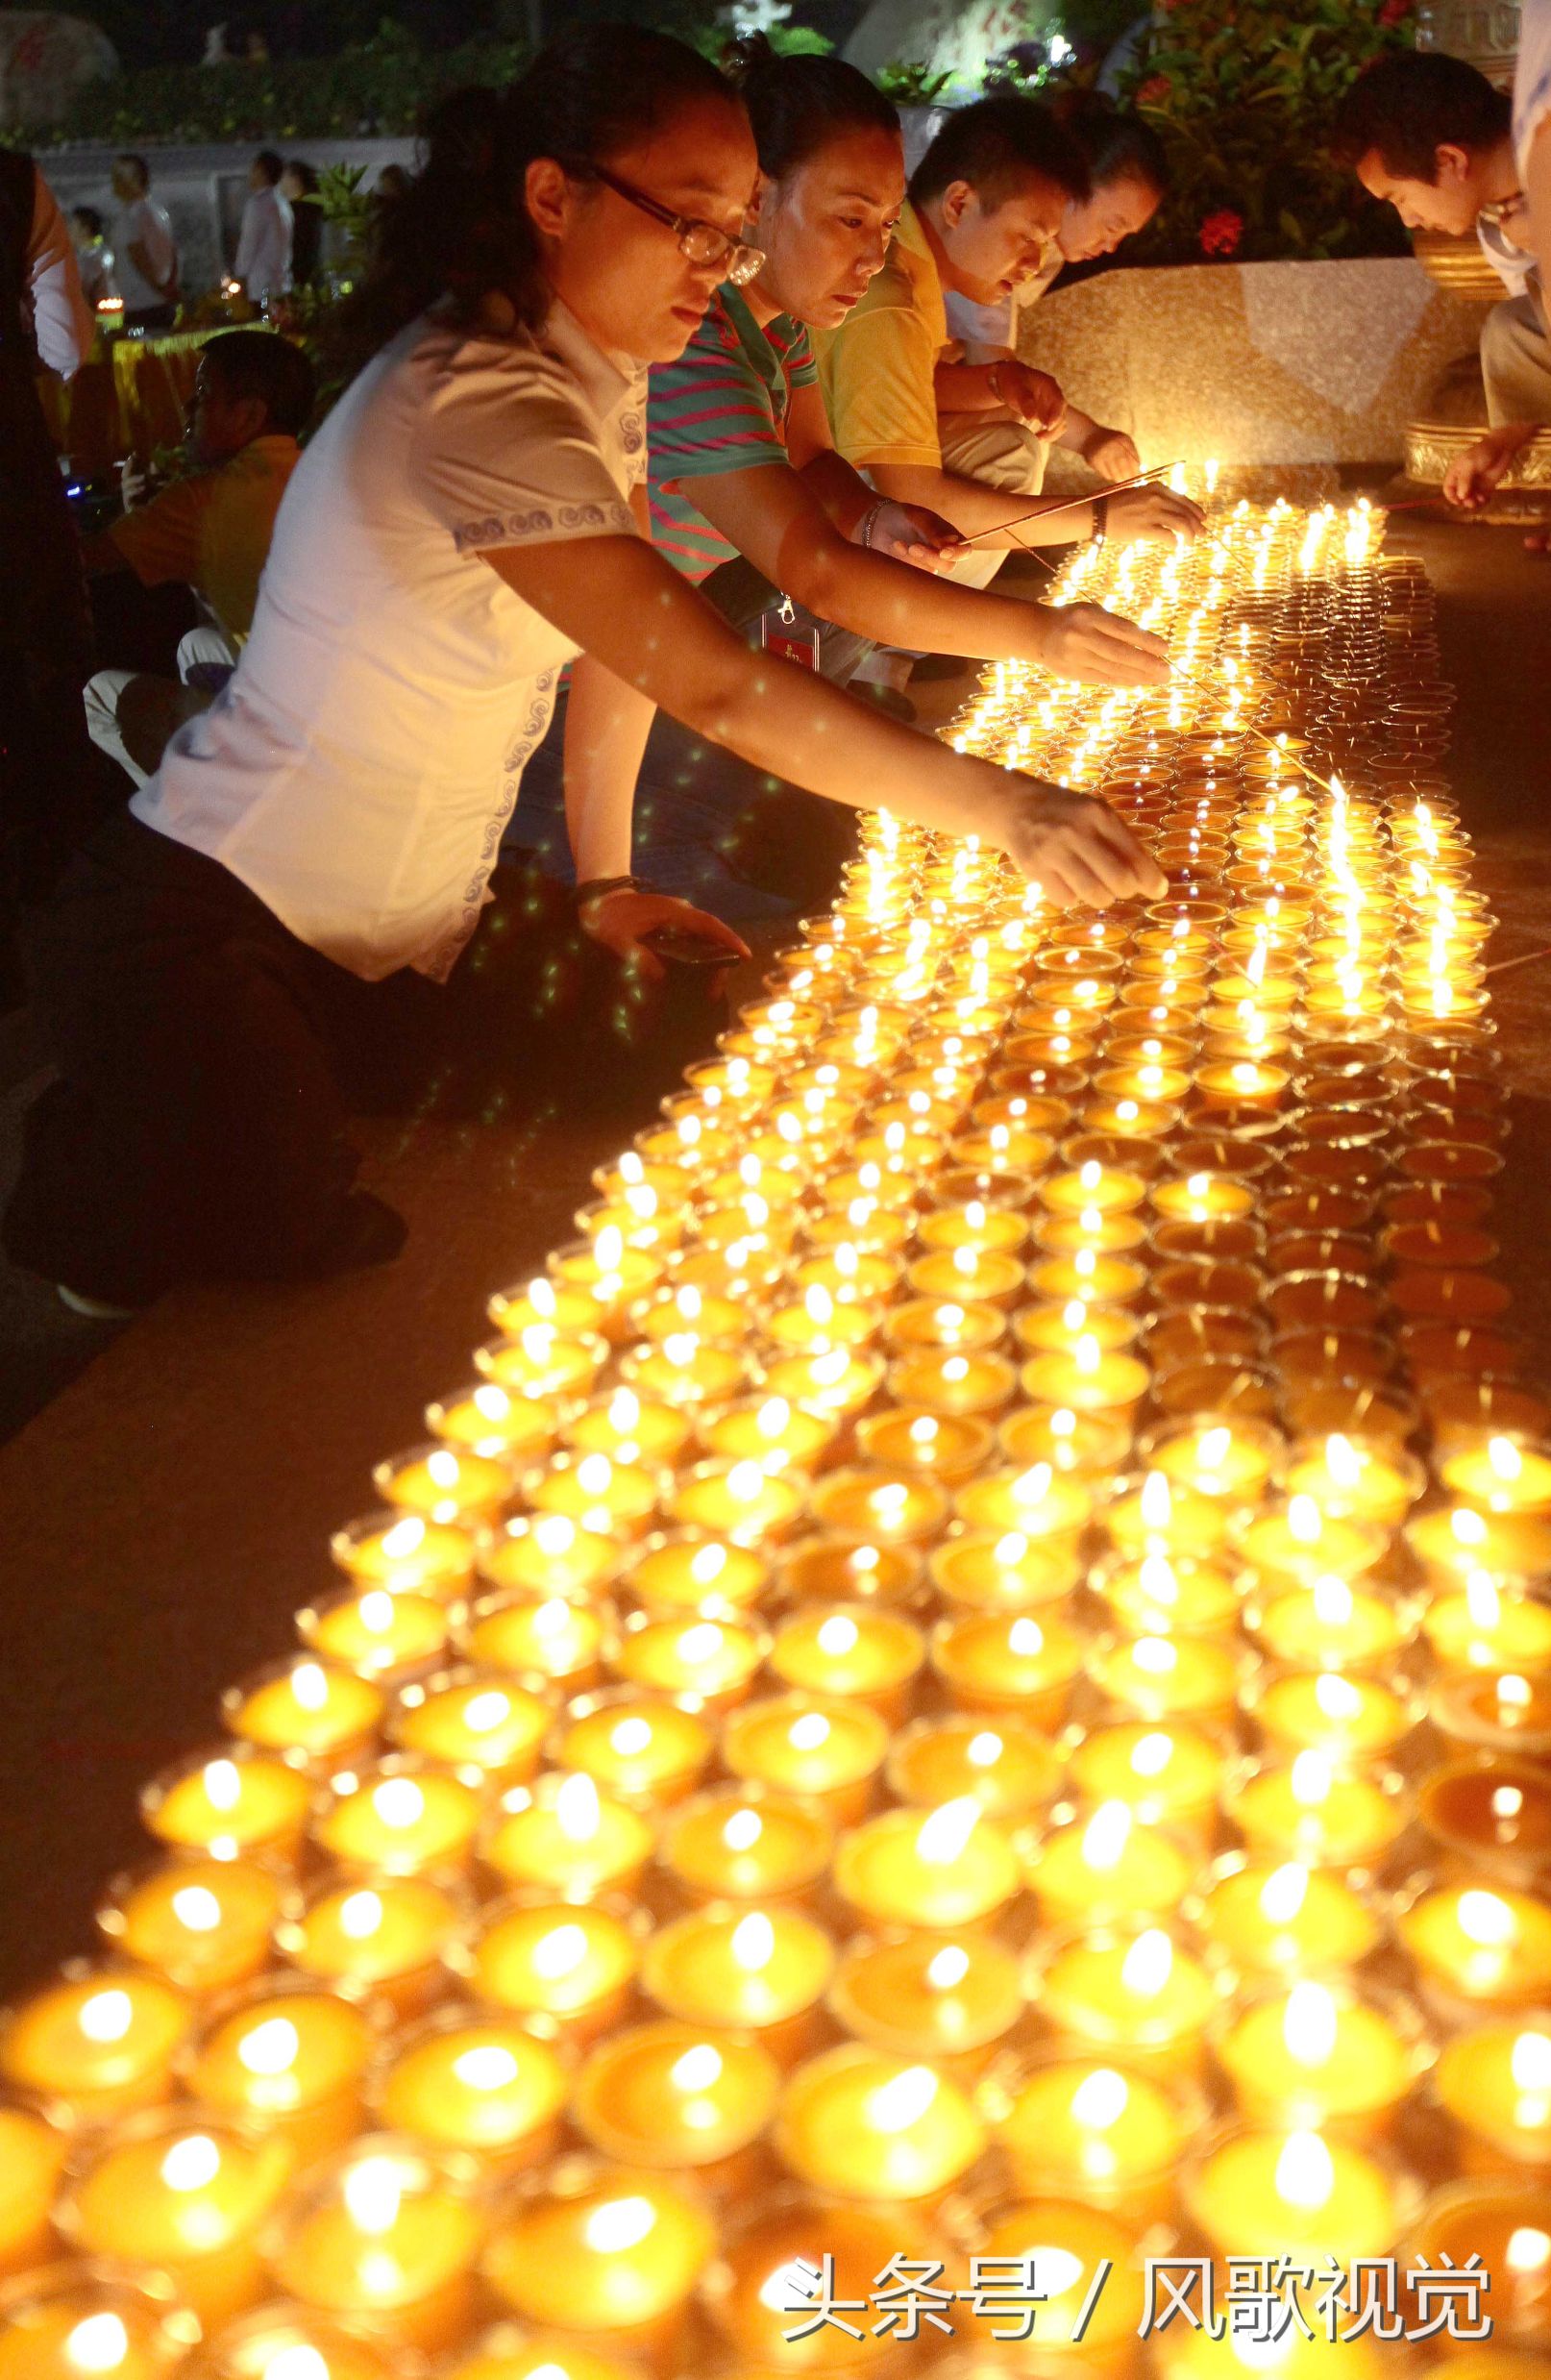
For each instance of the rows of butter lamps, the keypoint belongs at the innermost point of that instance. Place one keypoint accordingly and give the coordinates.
(965, 1678)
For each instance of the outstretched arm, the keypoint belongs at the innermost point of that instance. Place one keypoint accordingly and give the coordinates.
(625, 605)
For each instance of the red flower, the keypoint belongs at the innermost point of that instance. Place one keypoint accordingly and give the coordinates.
(1222, 232)
(1153, 91)
(1394, 12)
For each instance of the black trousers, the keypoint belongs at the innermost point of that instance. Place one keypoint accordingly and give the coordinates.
(208, 1063)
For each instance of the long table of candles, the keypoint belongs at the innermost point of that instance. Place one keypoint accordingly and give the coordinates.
(944, 1750)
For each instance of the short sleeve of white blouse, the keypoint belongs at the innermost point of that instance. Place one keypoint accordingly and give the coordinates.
(1532, 79)
(358, 770)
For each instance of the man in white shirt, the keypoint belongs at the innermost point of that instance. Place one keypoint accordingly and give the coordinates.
(1532, 115)
(263, 259)
(1434, 137)
(146, 248)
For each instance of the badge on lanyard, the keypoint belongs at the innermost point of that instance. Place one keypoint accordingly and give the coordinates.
(780, 632)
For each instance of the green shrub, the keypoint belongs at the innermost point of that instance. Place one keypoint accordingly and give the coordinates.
(1243, 92)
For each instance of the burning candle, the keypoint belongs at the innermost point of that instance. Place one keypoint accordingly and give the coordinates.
(227, 1804)
(709, 1663)
(990, 1661)
(547, 1641)
(32, 2153)
(1169, 1777)
(1266, 1919)
(1318, 2053)
(561, 1834)
(1353, 1719)
(1484, 1950)
(826, 1749)
(182, 2198)
(389, 2236)
(863, 2124)
(1486, 1626)
(747, 1845)
(64, 2325)
(952, 1866)
(850, 1650)
(1103, 1865)
(381, 1935)
(1008, 1768)
(383, 1636)
(203, 1923)
(97, 2041)
(397, 1817)
(482, 2084)
(571, 1962)
(474, 1722)
(1092, 2132)
(1314, 1810)
(1127, 1987)
(760, 1970)
(605, 2254)
(288, 2064)
(1495, 2081)
(302, 1705)
(1278, 2193)
(636, 1746)
(404, 1552)
(923, 1997)
(669, 2094)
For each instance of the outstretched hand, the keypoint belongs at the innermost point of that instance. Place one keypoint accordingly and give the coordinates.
(1097, 648)
(908, 532)
(1077, 850)
(622, 920)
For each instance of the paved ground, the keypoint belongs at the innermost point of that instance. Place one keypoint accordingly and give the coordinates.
(166, 1512)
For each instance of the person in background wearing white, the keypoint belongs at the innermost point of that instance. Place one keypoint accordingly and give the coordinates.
(1532, 129)
(145, 248)
(263, 259)
(94, 257)
(300, 891)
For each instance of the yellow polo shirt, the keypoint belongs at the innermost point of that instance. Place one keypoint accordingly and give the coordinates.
(213, 529)
(877, 370)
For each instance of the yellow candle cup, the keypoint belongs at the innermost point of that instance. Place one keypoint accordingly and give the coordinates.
(568, 1962)
(1318, 1811)
(397, 1817)
(389, 2236)
(98, 2042)
(475, 1723)
(546, 1642)
(935, 1870)
(1298, 2193)
(61, 2323)
(760, 1970)
(1168, 1776)
(1128, 1987)
(229, 1804)
(382, 1636)
(1479, 1949)
(203, 1923)
(485, 1419)
(446, 1483)
(850, 1650)
(486, 2085)
(182, 2198)
(1102, 1864)
(949, 1999)
(605, 2253)
(380, 1935)
(671, 2096)
(1159, 1677)
(747, 1843)
(827, 1749)
(317, 1710)
(287, 2062)
(1006, 1766)
(1315, 2055)
(1005, 1571)
(563, 1835)
(859, 2123)
(1495, 2081)
(637, 1745)
(1109, 2135)
(406, 1553)
(629, 1428)
(1268, 1918)
(687, 1572)
(32, 2153)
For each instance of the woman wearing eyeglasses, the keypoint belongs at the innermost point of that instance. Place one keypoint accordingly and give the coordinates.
(311, 859)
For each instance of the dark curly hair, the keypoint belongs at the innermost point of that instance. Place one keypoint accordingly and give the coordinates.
(462, 231)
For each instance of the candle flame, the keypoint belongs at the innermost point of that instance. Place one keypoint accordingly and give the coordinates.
(1156, 1502)
(942, 1838)
(618, 2225)
(947, 1969)
(700, 2068)
(1283, 1894)
(271, 2048)
(559, 1952)
(223, 1785)
(1310, 2022)
(486, 2065)
(1305, 2172)
(1487, 1921)
(398, 1802)
(191, 2164)
(1343, 1460)
(632, 1737)
(754, 1942)
(742, 1830)
(983, 1750)
(808, 1731)
(838, 1635)
(1310, 1780)
(98, 2343)
(106, 2017)
(1106, 1835)
(895, 2105)
(578, 1811)
(196, 1909)
(1528, 2249)
(1100, 2100)
(1149, 1964)
(311, 1686)
(360, 1916)
(373, 2192)
(1304, 1524)
(1337, 1697)
(1333, 1603)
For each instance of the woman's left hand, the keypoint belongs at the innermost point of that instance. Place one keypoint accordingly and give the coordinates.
(622, 920)
(908, 532)
(1111, 454)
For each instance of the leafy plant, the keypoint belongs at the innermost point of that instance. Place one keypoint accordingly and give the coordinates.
(911, 86)
(1243, 92)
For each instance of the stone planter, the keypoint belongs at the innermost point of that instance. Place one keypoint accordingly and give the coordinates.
(1255, 363)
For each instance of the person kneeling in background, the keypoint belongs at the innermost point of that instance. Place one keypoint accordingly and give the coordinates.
(1435, 138)
(252, 396)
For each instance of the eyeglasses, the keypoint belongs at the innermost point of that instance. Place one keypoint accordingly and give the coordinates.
(701, 242)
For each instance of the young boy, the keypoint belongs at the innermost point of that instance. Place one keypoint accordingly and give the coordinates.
(1435, 138)
(985, 206)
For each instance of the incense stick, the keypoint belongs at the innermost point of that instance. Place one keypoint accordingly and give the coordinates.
(1525, 958)
(1047, 512)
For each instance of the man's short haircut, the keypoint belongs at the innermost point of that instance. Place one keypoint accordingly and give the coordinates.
(132, 157)
(271, 165)
(91, 219)
(1410, 104)
(996, 146)
(260, 363)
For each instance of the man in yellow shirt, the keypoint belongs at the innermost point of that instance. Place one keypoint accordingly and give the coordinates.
(985, 205)
(253, 396)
